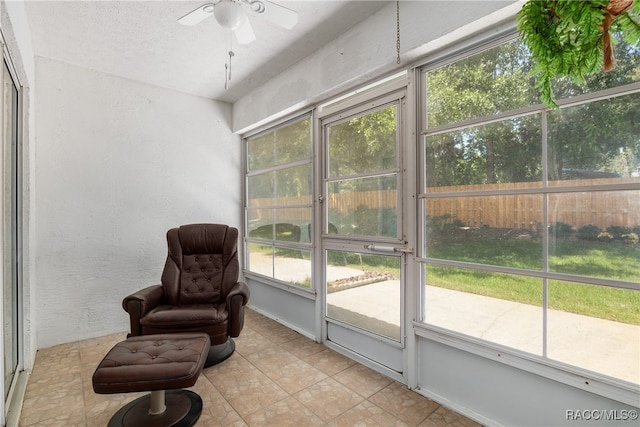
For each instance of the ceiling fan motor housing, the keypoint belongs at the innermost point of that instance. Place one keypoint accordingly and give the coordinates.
(229, 14)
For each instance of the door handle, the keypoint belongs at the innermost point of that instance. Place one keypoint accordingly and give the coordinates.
(388, 249)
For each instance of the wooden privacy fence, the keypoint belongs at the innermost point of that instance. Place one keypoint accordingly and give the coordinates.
(600, 208)
(525, 211)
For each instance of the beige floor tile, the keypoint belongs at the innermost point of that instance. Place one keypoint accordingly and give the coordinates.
(443, 417)
(366, 414)
(57, 405)
(295, 376)
(256, 395)
(208, 420)
(276, 333)
(235, 369)
(302, 347)
(407, 405)
(287, 412)
(92, 351)
(329, 362)
(263, 323)
(73, 418)
(328, 398)
(250, 342)
(96, 403)
(363, 380)
(56, 361)
(101, 407)
(271, 357)
(245, 388)
(216, 410)
(57, 351)
(275, 378)
(54, 381)
(252, 316)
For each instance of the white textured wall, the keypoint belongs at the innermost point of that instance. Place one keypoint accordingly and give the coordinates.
(368, 51)
(118, 163)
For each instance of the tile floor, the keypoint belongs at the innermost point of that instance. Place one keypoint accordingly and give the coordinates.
(276, 378)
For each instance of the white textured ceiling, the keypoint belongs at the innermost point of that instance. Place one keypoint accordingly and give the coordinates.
(142, 41)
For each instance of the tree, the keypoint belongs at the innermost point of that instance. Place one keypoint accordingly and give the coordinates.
(589, 137)
(363, 144)
(284, 145)
(498, 80)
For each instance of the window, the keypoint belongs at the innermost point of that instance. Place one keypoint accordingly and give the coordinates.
(531, 216)
(278, 210)
(362, 174)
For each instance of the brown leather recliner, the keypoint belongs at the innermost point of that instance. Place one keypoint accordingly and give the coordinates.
(200, 291)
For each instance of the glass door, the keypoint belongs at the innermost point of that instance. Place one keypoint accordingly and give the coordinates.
(362, 237)
(10, 211)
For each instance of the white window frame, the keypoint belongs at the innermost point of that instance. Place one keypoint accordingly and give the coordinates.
(288, 286)
(549, 368)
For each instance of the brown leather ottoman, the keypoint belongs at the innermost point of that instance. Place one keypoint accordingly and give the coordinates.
(155, 363)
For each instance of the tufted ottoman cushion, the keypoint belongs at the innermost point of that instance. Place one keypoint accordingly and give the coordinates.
(154, 363)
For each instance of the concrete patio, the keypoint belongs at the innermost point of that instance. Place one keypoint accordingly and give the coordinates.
(603, 346)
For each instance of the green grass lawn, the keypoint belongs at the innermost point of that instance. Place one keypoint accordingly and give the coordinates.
(605, 260)
(596, 260)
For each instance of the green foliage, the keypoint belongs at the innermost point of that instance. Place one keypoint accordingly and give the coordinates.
(507, 252)
(618, 305)
(443, 224)
(493, 81)
(613, 261)
(561, 229)
(617, 231)
(283, 231)
(629, 25)
(565, 38)
(365, 262)
(588, 232)
(631, 238)
(363, 144)
(597, 136)
(282, 146)
(365, 221)
(604, 236)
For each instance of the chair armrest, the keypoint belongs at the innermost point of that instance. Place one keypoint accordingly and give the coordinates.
(241, 289)
(140, 303)
(236, 300)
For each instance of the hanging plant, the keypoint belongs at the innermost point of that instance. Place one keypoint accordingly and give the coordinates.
(569, 38)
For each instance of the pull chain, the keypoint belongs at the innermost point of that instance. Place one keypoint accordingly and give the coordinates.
(227, 67)
(398, 31)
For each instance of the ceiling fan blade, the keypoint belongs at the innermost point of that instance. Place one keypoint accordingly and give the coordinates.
(244, 33)
(280, 15)
(198, 15)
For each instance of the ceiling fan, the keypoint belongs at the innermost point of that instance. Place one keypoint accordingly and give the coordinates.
(232, 14)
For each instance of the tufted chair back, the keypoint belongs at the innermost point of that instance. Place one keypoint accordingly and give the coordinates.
(202, 264)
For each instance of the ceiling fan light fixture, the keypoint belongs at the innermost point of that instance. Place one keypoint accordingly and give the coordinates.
(229, 14)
